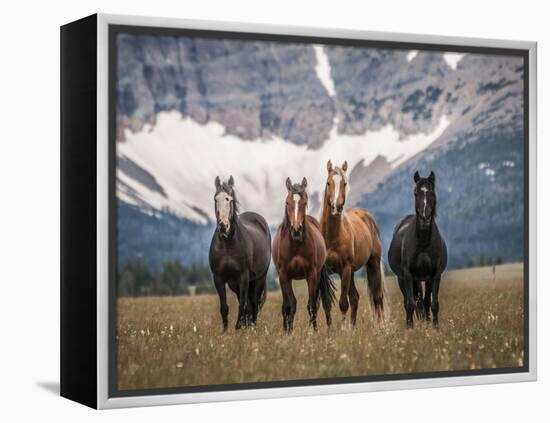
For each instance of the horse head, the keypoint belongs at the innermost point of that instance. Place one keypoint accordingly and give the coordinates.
(225, 206)
(296, 205)
(337, 184)
(425, 200)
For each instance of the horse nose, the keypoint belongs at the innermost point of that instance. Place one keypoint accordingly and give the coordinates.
(340, 208)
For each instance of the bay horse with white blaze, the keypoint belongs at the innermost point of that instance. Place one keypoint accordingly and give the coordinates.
(418, 253)
(352, 241)
(299, 253)
(240, 253)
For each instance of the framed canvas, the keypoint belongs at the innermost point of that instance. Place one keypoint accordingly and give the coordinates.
(254, 211)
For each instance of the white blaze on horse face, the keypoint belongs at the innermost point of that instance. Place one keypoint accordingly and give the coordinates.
(424, 190)
(337, 179)
(296, 198)
(223, 207)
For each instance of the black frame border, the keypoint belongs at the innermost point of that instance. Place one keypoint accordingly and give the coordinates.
(78, 211)
(115, 29)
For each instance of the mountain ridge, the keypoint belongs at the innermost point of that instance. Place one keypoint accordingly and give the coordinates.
(312, 103)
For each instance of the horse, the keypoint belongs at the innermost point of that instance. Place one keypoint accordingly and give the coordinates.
(299, 253)
(240, 254)
(418, 253)
(353, 241)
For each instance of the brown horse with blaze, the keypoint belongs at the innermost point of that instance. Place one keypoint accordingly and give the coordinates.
(299, 253)
(353, 241)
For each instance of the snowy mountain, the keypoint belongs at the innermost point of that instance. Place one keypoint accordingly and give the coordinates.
(192, 109)
(185, 158)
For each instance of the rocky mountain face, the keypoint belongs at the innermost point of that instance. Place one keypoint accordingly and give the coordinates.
(254, 89)
(259, 90)
(483, 95)
(480, 197)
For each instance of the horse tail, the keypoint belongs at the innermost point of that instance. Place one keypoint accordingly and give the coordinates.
(380, 293)
(262, 299)
(385, 303)
(327, 288)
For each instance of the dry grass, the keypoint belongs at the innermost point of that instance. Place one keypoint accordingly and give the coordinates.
(173, 342)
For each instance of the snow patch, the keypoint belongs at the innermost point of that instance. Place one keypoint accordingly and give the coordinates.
(323, 69)
(411, 55)
(185, 157)
(452, 59)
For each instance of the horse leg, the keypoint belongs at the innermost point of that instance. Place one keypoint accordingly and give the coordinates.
(252, 303)
(353, 299)
(374, 283)
(258, 295)
(242, 319)
(289, 302)
(417, 292)
(313, 302)
(409, 297)
(435, 298)
(427, 299)
(345, 278)
(224, 309)
(327, 307)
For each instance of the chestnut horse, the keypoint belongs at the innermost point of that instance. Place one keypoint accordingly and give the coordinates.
(299, 253)
(353, 241)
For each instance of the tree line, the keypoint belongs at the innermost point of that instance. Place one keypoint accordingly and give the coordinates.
(136, 279)
(484, 261)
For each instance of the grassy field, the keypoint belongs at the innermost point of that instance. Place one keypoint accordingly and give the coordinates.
(177, 341)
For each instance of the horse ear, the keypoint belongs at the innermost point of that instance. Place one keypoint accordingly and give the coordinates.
(329, 166)
(217, 182)
(231, 181)
(304, 182)
(432, 178)
(416, 177)
(288, 184)
(345, 166)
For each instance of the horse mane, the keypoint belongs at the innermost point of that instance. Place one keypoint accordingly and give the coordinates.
(340, 172)
(286, 221)
(434, 211)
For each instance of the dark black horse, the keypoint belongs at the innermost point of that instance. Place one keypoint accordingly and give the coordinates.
(240, 253)
(418, 253)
